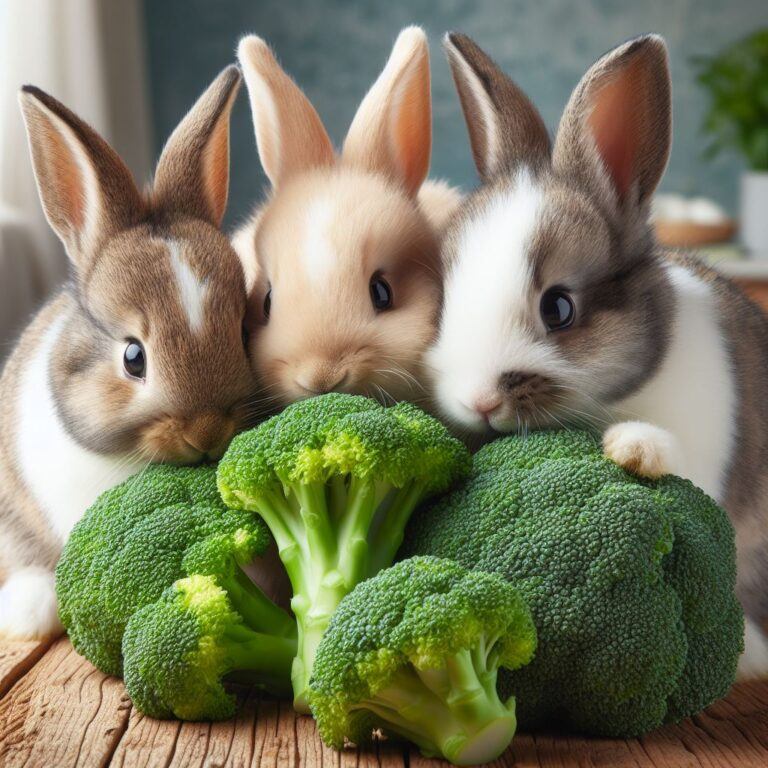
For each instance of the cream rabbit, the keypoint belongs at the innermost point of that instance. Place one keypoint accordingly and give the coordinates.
(342, 258)
(139, 358)
(561, 307)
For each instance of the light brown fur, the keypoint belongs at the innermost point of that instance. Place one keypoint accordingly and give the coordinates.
(333, 224)
(194, 393)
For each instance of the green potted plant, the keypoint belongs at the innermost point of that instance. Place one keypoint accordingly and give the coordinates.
(737, 82)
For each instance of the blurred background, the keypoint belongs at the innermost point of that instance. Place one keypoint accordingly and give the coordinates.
(132, 69)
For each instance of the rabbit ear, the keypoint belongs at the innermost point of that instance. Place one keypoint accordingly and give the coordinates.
(392, 130)
(615, 134)
(88, 193)
(289, 134)
(505, 129)
(192, 175)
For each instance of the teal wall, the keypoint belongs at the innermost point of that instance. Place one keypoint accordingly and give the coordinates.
(335, 49)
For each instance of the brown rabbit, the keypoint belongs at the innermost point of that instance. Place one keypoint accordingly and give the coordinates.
(561, 307)
(139, 358)
(342, 259)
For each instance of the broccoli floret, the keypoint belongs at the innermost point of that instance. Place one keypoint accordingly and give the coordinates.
(178, 650)
(631, 582)
(336, 478)
(415, 651)
(140, 537)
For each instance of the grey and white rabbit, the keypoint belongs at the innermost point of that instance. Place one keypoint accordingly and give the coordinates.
(140, 357)
(561, 307)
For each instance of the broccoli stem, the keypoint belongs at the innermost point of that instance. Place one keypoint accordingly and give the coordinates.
(389, 536)
(257, 610)
(330, 537)
(318, 528)
(269, 656)
(454, 711)
(354, 531)
(312, 617)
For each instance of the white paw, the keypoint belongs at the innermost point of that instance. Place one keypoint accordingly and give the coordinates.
(641, 448)
(28, 608)
(754, 661)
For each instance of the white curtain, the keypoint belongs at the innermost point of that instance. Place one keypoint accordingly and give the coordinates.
(89, 54)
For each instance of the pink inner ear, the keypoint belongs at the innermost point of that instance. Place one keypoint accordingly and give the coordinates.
(616, 124)
(216, 169)
(412, 132)
(67, 181)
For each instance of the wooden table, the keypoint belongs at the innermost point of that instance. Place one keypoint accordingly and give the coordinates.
(56, 711)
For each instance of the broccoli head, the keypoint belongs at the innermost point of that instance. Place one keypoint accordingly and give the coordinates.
(631, 582)
(139, 538)
(415, 651)
(178, 650)
(336, 478)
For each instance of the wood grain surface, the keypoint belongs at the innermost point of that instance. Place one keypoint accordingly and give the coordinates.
(56, 711)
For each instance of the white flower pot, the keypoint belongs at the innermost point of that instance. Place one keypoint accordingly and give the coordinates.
(754, 213)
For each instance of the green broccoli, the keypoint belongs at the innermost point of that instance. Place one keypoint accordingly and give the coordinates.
(139, 538)
(178, 649)
(415, 650)
(336, 478)
(631, 582)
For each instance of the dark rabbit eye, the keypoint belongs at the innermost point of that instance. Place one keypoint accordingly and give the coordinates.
(135, 360)
(557, 309)
(381, 293)
(267, 303)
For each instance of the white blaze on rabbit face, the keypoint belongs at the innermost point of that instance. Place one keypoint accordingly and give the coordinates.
(192, 291)
(319, 255)
(490, 286)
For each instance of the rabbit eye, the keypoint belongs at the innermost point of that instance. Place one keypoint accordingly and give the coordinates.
(381, 293)
(268, 303)
(135, 359)
(557, 309)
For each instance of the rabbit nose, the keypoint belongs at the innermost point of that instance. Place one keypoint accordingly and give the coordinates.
(322, 380)
(209, 433)
(485, 406)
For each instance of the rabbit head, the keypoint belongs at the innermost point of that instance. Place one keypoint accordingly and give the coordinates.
(345, 279)
(556, 302)
(150, 359)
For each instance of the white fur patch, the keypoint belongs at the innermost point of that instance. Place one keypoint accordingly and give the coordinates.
(754, 661)
(483, 330)
(63, 477)
(692, 396)
(193, 292)
(243, 243)
(28, 605)
(645, 449)
(318, 253)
